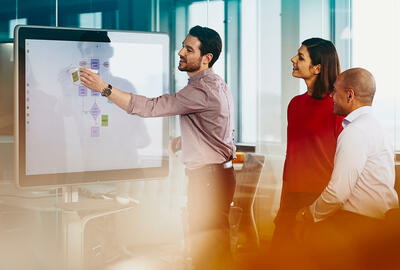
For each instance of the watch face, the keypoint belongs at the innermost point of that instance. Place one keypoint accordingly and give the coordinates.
(106, 92)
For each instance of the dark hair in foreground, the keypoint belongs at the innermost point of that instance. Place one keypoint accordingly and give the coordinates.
(210, 42)
(323, 52)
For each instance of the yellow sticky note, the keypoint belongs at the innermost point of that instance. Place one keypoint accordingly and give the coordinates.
(75, 76)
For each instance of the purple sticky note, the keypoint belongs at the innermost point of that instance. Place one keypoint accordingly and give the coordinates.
(95, 93)
(95, 131)
(95, 111)
(82, 91)
(94, 63)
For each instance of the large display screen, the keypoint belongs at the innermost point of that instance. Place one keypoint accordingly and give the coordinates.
(68, 134)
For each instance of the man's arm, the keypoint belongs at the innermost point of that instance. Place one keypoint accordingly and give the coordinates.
(350, 159)
(188, 100)
(93, 81)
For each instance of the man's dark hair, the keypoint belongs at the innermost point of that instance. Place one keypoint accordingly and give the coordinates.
(210, 42)
(323, 52)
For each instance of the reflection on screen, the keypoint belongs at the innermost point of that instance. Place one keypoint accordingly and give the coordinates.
(70, 128)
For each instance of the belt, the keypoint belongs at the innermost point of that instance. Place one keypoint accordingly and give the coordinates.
(226, 165)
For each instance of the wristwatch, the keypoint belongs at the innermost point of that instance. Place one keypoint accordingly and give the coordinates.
(106, 91)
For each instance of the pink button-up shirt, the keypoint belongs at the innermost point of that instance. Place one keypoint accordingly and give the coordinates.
(205, 107)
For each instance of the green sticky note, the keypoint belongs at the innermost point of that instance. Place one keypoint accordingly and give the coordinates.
(104, 120)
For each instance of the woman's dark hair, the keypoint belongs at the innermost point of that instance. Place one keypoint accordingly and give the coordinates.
(210, 42)
(323, 52)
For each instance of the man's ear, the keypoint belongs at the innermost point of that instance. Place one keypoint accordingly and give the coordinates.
(317, 69)
(207, 58)
(350, 95)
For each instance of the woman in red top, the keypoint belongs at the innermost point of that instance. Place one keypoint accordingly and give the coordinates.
(311, 139)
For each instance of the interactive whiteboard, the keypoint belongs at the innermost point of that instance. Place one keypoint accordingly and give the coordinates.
(67, 134)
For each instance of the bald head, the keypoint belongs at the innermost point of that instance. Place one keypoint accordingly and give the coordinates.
(362, 82)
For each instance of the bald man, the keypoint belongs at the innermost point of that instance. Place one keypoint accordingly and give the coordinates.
(361, 188)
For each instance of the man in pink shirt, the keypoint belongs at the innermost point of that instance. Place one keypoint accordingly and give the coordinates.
(205, 109)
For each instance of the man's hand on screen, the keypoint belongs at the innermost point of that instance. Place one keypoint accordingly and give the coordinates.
(91, 80)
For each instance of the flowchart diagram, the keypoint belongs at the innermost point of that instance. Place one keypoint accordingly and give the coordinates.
(99, 119)
(70, 128)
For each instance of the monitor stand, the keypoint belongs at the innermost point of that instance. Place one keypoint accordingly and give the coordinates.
(75, 216)
(70, 194)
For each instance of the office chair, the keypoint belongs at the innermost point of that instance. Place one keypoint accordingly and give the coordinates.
(244, 233)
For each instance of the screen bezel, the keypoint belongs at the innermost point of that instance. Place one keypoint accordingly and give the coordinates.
(23, 180)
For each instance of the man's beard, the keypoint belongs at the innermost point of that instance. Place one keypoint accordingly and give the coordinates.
(191, 67)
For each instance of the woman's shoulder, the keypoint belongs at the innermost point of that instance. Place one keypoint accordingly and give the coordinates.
(298, 98)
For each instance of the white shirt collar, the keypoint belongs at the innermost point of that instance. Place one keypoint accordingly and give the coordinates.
(355, 114)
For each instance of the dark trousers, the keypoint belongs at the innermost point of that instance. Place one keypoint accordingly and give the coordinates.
(210, 193)
(344, 241)
(286, 252)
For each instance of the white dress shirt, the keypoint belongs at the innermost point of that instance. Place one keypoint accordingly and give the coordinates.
(363, 177)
